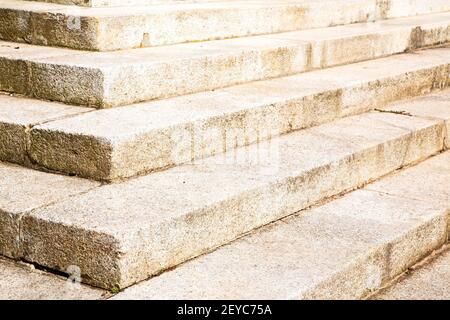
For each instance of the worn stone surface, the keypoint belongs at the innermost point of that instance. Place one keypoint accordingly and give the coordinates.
(341, 250)
(19, 281)
(22, 190)
(120, 234)
(412, 184)
(436, 106)
(429, 282)
(115, 28)
(18, 115)
(384, 8)
(108, 79)
(165, 133)
(401, 8)
(112, 28)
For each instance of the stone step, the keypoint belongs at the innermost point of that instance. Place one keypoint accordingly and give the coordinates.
(108, 79)
(122, 142)
(20, 281)
(385, 8)
(435, 106)
(123, 233)
(344, 249)
(107, 29)
(428, 281)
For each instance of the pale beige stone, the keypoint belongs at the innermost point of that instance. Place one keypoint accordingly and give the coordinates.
(401, 8)
(116, 28)
(18, 115)
(19, 281)
(112, 29)
(427, 182)
(342, 250)
(383, 8)
(429, 282)
(334, 46)
(22, 190)
(122, 233)
(108, 79)
(435, 106)
(166, 133)
(15, 75)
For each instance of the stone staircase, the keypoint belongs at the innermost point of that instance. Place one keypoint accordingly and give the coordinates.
(135, 138)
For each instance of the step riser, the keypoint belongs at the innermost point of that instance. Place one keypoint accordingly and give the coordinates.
(427, 276)
(155, 149)
(128, 83)
(359, 279)
(105, 262)
(13, 143)
(18, 115)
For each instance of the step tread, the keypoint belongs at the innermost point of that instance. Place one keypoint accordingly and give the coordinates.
(169, 132)
(216, 47)
(393, 5)
(28, 112)
(177, 212)
(130, 120)
(20, 281)
(428, 282)
(341, 250)
(108, 79)
(115, 28)
(18, 115)
(24, 190)
(437, 107)
(50, 7)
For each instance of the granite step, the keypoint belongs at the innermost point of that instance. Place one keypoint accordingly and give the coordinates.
(109, 79)
(386, 8)
(119, 143)
(430, 280)
(106, 29)
(123, 233)
(345, 249)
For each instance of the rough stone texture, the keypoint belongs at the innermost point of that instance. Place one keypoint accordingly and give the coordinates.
(165, 133)
(117, 3)
(341, 250)
(435, 106)
(108, 79)
(412, 184)
(18, 115)
(19, 281)
(15, 73)
(116, 28)
(429, 282)
(22, 190)
(120, 234)
(112, 28)
(384, 8)
(402, 8)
